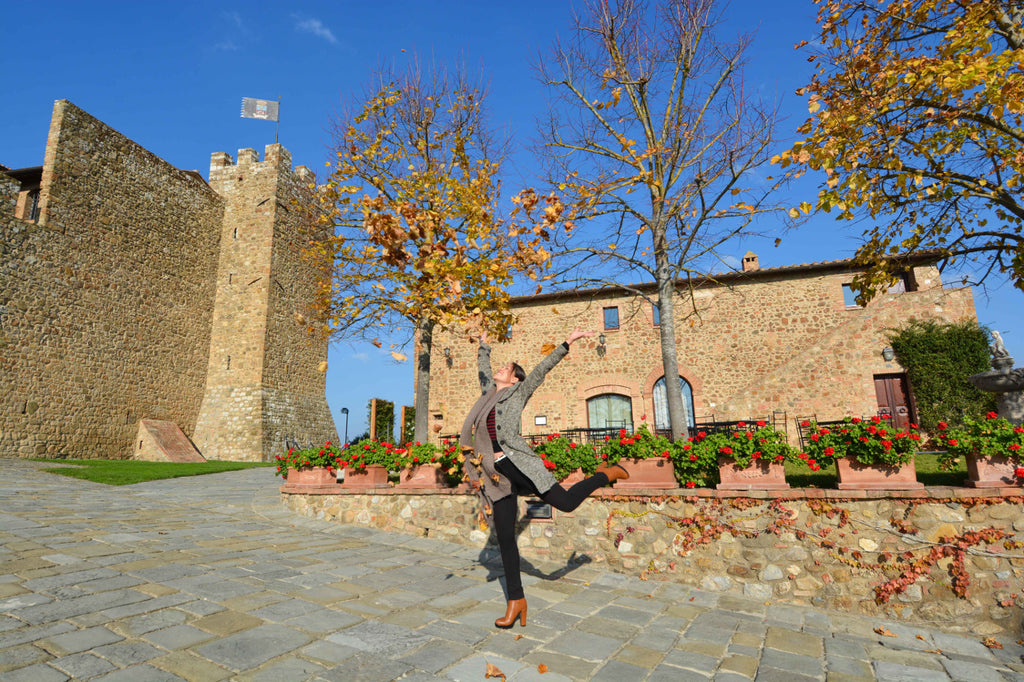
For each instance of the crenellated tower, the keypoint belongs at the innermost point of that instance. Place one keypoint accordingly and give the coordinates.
(265, 378)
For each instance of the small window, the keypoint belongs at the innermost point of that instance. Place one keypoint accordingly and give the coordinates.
(849, 297)
(656, 315)
(33, 206)
(611, 318)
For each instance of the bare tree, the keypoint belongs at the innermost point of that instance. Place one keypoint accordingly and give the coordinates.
(656, 145)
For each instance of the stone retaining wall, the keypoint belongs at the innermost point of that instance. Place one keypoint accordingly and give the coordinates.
(825, 548)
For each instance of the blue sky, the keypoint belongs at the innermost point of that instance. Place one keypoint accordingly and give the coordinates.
(171, 77)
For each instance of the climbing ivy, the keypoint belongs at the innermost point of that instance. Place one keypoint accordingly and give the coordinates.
(938, 358)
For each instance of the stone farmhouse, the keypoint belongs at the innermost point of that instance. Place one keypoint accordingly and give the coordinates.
(142, 306)
(780, 344)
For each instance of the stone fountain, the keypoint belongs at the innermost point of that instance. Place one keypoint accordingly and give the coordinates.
(1003, 380)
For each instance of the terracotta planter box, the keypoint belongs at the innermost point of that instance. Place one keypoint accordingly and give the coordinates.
(373, 476)
(310, 480)
(762, 474)
(656, 472)
(996, 471)
(573, 478)
(421, 476)
(856, 476)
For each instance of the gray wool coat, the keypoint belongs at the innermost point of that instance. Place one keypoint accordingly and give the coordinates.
(508, 405)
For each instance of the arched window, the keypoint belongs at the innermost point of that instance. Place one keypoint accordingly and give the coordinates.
(610, 411)
(661, 421)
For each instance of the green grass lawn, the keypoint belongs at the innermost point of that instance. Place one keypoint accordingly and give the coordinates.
(128, 471)
(926, 464)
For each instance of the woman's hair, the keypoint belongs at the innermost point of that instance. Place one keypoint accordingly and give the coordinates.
(518, 372)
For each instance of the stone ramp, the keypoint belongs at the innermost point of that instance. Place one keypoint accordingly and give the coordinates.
(163, 441)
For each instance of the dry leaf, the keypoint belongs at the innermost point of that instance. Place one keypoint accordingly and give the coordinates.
(518, 637)
(322, 367)
(992, 643)
(377, 343)
(933, 651)
(401, 357)
(885, 632)
(920, 638)
(496, 478)
(547, 348)
(493, 671)
(542, 668)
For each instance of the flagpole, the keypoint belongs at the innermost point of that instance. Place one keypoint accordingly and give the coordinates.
(278, 128)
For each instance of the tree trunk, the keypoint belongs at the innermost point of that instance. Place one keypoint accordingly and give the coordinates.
(426, 332)
(677, 416)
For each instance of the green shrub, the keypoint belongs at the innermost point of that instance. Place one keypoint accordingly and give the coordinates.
(938, 359)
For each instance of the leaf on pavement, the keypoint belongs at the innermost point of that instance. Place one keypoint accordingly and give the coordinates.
(992, 643)
(493, 671)
(885, 632)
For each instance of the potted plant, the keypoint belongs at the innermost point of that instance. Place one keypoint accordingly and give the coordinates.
(647, 458)
(366, 464)
(309, 468)
(570, 462)
(695, 461)
(751, 457)
(992, 448)
(870, 454)
(420, 465)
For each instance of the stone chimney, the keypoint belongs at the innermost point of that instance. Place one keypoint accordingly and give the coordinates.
(750, 262)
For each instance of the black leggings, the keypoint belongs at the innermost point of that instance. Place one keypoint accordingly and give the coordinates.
(506, 510)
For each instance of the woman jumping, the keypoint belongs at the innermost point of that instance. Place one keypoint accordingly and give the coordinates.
(501, 465)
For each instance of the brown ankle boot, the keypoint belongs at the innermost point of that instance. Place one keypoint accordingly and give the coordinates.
(516, 609)
(614, 472)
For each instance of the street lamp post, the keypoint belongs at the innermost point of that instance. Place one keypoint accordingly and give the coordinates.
(344, 411)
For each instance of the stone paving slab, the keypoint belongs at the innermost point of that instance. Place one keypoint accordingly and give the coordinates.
(210, 578)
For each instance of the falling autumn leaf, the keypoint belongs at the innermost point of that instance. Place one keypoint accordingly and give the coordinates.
(400, 357)
(322, 367)
(547, 348)
(542, 668)
(885, 632)
(377, 343)
(496, 478)
(493, 671)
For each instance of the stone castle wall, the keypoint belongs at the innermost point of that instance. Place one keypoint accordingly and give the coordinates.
(779, 339)
(144, 292)
(91, 344)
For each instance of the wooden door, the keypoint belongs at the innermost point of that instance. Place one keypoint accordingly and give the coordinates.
(893, 396)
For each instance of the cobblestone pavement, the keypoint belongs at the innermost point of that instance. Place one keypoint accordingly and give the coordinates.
(209, 578)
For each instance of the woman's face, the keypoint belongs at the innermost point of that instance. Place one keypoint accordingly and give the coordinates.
(505, 375)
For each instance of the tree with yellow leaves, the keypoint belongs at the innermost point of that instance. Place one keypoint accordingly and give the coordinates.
(420, 241)
(657, 145)
(916, 123)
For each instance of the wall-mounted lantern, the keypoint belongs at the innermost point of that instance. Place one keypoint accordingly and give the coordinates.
(448, 356)
(888, 354)
(601, 347)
